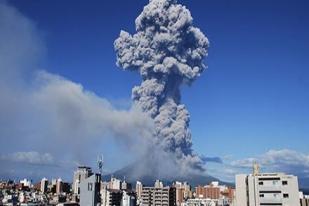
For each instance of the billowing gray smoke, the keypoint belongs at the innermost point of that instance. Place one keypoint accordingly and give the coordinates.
(168, 51)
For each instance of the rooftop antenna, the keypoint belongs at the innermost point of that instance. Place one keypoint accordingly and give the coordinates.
(100, 164)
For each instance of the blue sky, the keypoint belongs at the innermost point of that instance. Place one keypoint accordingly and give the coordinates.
(253, 97)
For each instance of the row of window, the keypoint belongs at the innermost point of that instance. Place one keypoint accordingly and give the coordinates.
(285, 195)
(284, 182)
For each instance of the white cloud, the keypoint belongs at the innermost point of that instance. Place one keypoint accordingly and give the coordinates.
(284, 160)
(31, 157)
(276, 159)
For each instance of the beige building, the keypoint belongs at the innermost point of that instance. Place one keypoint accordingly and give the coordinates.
(183, 192)
(304, 199)
(158, 195)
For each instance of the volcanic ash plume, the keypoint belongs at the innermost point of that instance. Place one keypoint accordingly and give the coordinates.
(168, 51)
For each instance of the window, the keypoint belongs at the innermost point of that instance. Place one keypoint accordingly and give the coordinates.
(275, 182)
(285, 195)
(89, 186)
(261, 183)
(284, 182)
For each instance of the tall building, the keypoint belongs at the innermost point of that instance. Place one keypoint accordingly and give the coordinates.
(183, 192)
(90, 190)
(80, 174)
(138, 189)
(267, 189)
(110, 197)
(44, 185)
(59, 186)
(128, 199)
(62, 187)
(158, 195)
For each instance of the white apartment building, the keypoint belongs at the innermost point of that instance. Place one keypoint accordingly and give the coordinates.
(138, 189)
(266, 189)
(44, 185)
(128, 199)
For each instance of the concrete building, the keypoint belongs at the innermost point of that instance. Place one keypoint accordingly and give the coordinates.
(125, 185)
(266, 189)
(128, 199)
(209, 191)
(158, 184)
(304, 202)
(158, 195)
(110, 197)
(80, 174)
(115, 184)
(220, 194)
(183, 192)
(90, 191)
(44, 185)
(25, 182)
(304, 199)
(59, 186)
(138, 189)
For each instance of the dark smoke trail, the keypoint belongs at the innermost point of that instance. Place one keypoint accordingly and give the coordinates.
(168, 51)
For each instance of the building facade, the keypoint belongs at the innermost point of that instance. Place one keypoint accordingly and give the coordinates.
(115, 184)
(209, 191)
(183, 192)
(267, 189)
(138, 189)
(80, 174)
(111, 197)
(304, 199)
(158, 196)
(128, 198)
(44, 185)
(90, 191)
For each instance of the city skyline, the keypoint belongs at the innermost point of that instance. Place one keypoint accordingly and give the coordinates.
(250, 104)
(88, 188)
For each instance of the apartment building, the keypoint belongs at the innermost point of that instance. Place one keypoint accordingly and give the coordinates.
(265, 189)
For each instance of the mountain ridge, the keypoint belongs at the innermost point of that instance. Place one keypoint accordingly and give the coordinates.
(128, 172)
